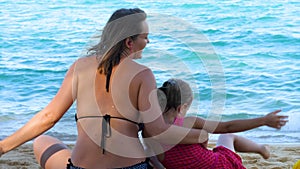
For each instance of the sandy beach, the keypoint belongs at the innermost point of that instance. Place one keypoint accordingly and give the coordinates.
(283, 156)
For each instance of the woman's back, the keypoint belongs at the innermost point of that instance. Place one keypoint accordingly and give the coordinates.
(94, 102)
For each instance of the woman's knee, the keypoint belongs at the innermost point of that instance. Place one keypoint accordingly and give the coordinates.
(40, 143)
(46, 146)
(45, 139)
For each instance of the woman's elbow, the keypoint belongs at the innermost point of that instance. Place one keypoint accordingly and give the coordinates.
(48, 119)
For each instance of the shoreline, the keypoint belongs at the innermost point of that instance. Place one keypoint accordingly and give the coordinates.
(283, 156)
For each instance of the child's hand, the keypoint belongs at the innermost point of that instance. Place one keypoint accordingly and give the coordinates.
(274, 120)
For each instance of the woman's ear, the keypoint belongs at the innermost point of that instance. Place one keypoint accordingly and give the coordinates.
(129, 43)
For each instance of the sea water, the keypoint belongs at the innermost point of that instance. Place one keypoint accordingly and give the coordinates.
(242, 58)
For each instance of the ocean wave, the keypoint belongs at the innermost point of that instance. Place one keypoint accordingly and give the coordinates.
(282, 138)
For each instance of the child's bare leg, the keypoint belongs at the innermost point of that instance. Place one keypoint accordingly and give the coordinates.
(242, 144)
(226, 140)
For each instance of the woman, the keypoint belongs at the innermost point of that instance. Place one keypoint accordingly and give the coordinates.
(115, 99)
(175, 97)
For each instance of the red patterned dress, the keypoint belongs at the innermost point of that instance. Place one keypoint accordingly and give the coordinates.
(195, 156)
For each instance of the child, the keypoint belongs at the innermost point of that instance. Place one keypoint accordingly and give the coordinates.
(175, 97)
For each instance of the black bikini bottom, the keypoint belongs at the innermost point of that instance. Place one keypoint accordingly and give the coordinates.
(142, 165)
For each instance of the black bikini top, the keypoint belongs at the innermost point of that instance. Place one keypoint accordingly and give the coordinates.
(106, 129)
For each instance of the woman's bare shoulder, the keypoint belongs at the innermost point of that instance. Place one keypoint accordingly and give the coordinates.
(134, 64)
(87, 59)
(86, 62)
(133, 68)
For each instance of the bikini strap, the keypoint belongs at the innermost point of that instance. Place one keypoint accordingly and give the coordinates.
(140, 125)
(106, 128)
(76, 118)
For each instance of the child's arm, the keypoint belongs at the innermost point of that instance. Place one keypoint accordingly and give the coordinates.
(272, 120)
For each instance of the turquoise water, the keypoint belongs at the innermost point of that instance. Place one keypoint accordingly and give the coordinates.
(256, 43)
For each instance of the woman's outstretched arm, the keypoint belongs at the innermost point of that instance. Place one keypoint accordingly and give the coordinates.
(46, 118)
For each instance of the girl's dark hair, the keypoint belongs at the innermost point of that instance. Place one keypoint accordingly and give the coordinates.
(174, 93)
(122, 24)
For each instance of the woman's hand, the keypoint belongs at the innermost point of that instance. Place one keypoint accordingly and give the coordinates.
(274, 120)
